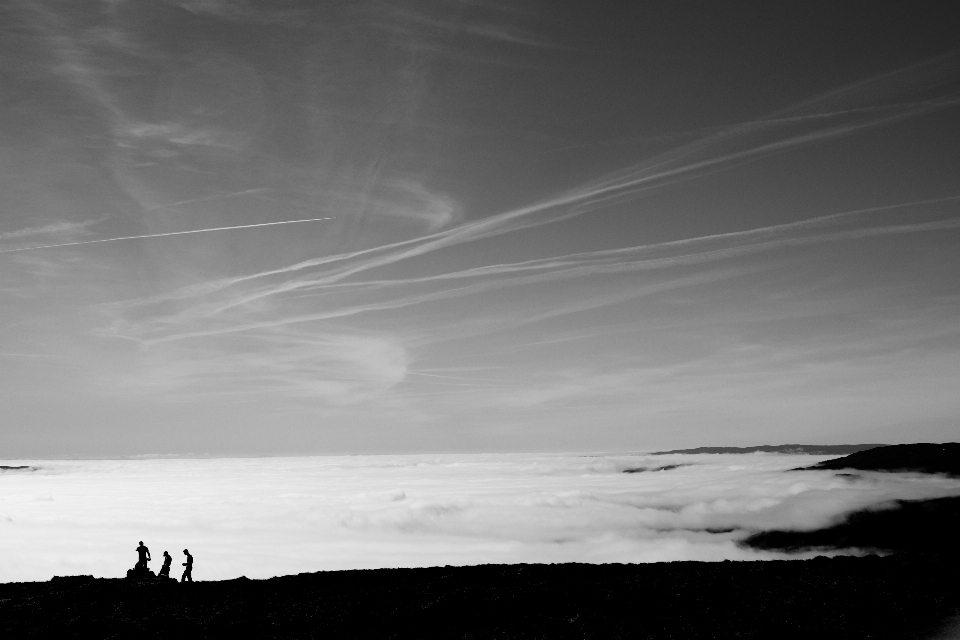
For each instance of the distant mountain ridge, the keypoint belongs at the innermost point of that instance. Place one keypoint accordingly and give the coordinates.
(810, 449)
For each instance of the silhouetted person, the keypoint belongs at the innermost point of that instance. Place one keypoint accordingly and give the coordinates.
(188, 572)
(144, 557)
(165, 569)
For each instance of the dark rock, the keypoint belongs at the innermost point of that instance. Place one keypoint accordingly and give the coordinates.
(140, 573)
(4, 467)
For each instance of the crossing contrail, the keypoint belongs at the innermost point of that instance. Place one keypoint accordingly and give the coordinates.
(161, 235)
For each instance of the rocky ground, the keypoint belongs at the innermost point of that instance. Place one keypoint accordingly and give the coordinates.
(902, 597)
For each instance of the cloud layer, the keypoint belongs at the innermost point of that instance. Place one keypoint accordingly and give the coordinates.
(261, 517)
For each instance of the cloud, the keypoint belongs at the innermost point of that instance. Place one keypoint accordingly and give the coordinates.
(63, 230)
(178, 134)
(679, 164)
(633, 258)
(300, 368)
(687, 252)
(463, 25)
(410, 200)
(308, 297)
(244, 11)
(27, 355)
(261, 517)
(338, 367)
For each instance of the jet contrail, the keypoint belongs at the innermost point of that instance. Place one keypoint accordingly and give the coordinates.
(161, 235)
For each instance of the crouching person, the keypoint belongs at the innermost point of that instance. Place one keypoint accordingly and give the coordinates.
(165, 569)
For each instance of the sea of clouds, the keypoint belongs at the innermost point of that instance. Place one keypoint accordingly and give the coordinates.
(262, 517)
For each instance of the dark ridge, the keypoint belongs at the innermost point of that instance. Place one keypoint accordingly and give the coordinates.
(73, 579)
(899, 525)
(4, 467)
(667, 467)
(895, 597)
(921, 457)
(811, 449)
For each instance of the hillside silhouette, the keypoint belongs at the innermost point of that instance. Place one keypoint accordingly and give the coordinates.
(920, 457)
(895, 597)
(900, 525)
(896, 525)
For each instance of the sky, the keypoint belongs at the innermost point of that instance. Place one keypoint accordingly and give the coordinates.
(290, 228)
(268, 516)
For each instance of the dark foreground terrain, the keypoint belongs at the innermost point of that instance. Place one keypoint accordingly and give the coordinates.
(898, 597)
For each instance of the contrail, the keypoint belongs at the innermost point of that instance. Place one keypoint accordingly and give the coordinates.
(574, 270)
(162, 235)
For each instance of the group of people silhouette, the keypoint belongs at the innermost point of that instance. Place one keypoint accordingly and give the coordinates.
(144, 554)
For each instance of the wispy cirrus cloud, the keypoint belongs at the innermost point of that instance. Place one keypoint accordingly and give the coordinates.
(339, 226)
(307, 302)
(338, 367)
(246, 12)
(409, 268)
(63, 230)
(659, 172)
(661, 256)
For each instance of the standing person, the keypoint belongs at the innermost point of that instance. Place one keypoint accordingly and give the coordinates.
(188, 572)
(144, 557)
(165, 569)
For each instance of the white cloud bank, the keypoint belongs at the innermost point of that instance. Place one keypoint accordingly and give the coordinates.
(262, 517)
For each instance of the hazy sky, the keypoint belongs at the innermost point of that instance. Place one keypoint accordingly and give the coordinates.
(535, 226)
